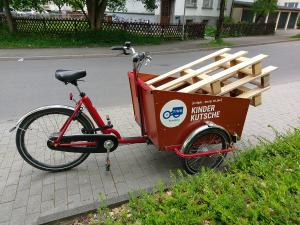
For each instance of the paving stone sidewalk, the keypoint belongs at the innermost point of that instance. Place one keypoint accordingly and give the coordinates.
(27, 193)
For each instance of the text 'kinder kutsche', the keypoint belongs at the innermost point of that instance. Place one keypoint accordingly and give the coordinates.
(204, 112)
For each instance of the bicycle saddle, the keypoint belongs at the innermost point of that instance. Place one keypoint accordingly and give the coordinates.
(69, 76)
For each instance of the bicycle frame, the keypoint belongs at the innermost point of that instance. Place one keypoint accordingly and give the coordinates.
(99, 121)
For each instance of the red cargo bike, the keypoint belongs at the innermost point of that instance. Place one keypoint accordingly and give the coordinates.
(201, 129)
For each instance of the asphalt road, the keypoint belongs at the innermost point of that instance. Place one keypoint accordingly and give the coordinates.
(29, 84)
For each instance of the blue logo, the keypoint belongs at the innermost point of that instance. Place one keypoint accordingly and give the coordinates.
(176, 112)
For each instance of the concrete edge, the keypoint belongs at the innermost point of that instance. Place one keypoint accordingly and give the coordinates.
(111, 202)
(153, 53)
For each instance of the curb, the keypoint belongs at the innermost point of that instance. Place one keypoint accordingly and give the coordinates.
(153, 53)
(52, 218)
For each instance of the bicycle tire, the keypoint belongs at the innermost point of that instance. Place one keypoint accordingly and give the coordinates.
(224, 141)
(29, 120)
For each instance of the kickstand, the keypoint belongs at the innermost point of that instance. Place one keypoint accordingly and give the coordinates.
(108, 145)
(107, 165)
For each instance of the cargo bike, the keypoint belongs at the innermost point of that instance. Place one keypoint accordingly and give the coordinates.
(200, 128)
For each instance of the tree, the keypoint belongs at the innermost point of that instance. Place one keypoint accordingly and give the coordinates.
(150, 5)
(30, 4)
(220, 20)
(10, 21)
(96, 9)
(59, 4)
(78, 4)
(263, 7)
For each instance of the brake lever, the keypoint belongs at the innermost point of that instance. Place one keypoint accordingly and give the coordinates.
(148, 61)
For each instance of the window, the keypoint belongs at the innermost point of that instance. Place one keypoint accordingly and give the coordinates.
(189, 21)
(291, 4)
(191, 3)
(208, 4)
(219, 3)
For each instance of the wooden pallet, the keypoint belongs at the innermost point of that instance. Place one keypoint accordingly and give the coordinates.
(228, 75)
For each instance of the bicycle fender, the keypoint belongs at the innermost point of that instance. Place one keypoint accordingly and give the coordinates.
(43, 108)
(208, 125)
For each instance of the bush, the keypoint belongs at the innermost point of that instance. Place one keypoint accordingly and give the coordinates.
(261, 186)
(210, 31)
(228, 19)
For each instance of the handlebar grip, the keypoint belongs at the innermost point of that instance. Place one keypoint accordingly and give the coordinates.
(117, 48)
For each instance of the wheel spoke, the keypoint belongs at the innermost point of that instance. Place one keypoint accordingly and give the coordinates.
(208, 142)
(35, 133)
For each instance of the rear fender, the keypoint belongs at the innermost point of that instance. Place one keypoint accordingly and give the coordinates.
(47, 107)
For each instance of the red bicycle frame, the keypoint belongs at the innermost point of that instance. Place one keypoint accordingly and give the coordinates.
(99, 121)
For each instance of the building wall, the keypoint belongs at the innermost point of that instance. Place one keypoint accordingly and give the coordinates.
(282, 2)
(198, 13)
(134, 6)
(135, 12)
(284, 18)
(236, 14)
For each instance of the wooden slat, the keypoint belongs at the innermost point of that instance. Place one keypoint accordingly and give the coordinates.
(223, 74)
(191, 64)
(202, 76)
(253, 92)
(244, 80)
(247, 71)
(239, 60)
(240, 88)
(207, 87)
(201, 70)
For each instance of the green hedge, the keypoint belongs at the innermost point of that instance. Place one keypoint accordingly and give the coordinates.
(90, 39)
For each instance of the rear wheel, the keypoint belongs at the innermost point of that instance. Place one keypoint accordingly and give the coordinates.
(208, 140)
(34, 132)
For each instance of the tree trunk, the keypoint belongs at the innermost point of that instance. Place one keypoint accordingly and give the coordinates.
(96, 9)
(10, 21)
(220, 20)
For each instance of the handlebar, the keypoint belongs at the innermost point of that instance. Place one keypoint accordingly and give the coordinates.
(138, 58)
(122, 48)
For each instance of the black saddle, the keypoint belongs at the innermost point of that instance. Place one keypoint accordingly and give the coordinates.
(70, 76)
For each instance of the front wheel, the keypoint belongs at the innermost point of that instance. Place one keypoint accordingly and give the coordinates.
(208, 140)
(34, 132)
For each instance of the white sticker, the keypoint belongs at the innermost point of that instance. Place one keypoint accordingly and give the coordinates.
(173, 113)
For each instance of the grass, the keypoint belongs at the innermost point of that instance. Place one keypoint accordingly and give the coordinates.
(80, 39)
(210, 31)
(296, 36)
(261, 186)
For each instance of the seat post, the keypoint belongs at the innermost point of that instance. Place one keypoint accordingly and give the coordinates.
(82, 94)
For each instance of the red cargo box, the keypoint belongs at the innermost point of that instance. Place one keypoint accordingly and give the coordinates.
(169, 117)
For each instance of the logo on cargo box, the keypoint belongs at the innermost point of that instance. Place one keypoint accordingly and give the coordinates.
(173, 113)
